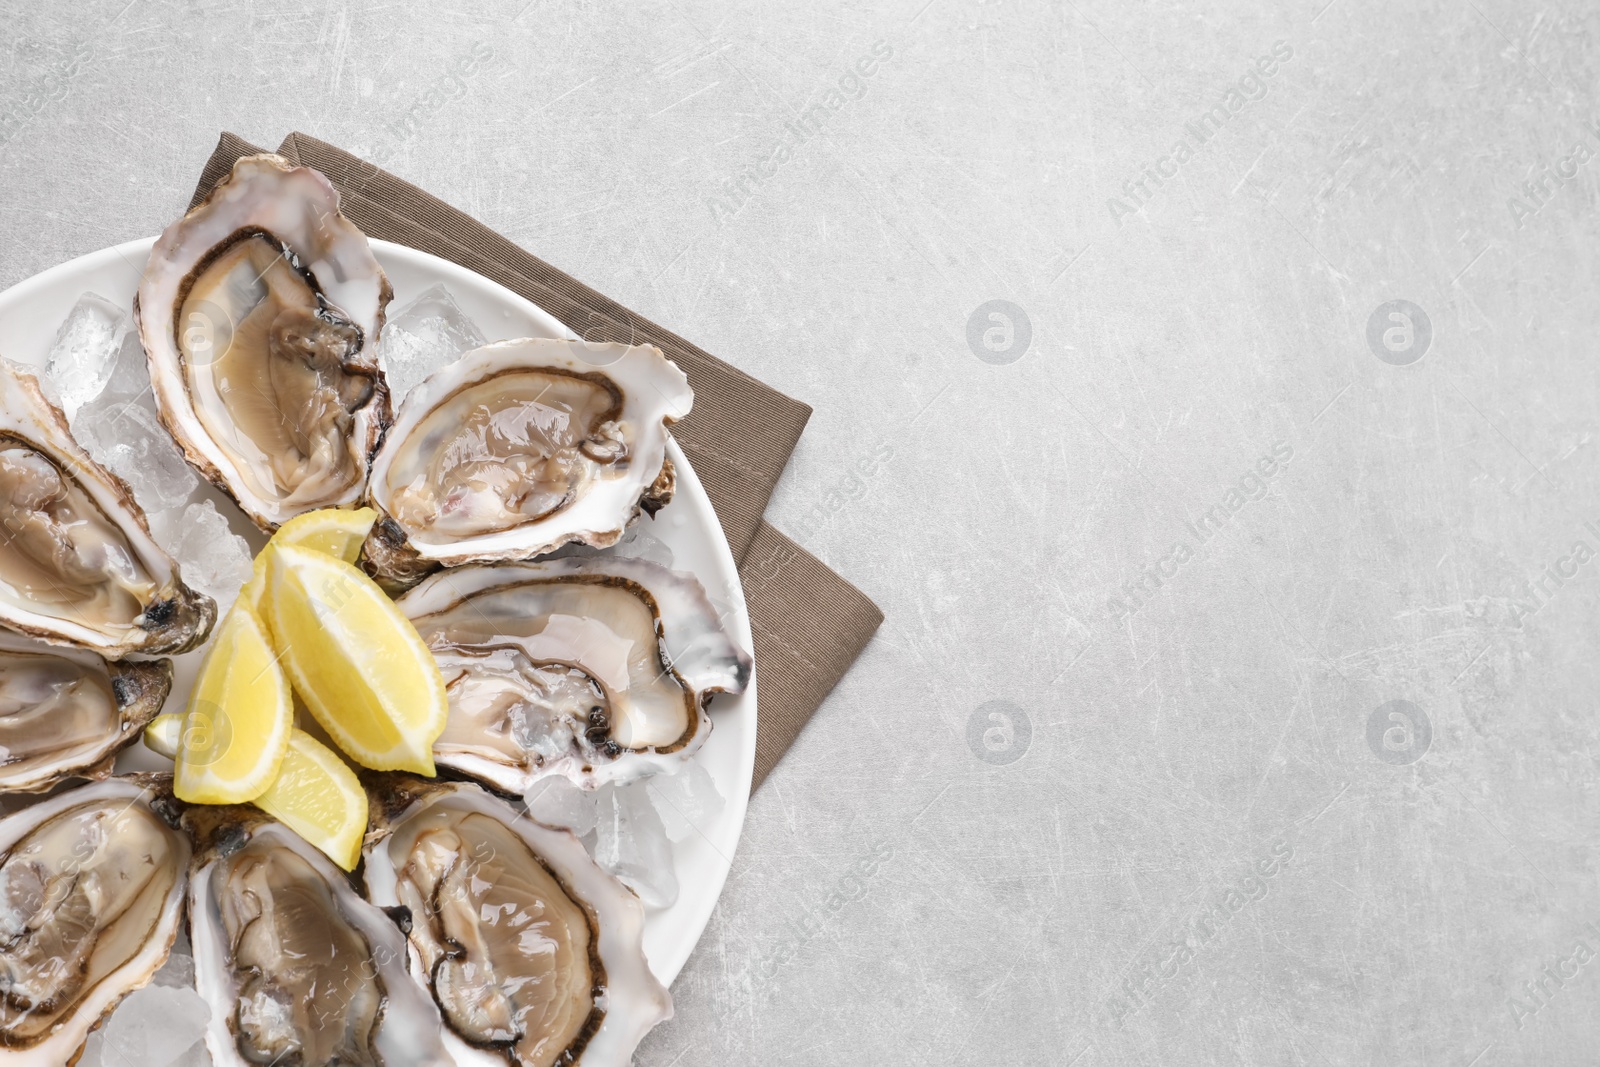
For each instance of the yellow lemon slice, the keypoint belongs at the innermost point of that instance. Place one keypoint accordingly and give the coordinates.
(318, 797)
(164, 734)
(355, 659)
(316, 794)
(337, 532)
(236, 728)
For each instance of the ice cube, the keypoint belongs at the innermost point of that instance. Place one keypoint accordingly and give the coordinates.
(640, 543)
(687, 801)
(121, 430)
(85, 350)
(197, 1056)
(154, 1026)
(166, 526)
(178, 971)
(555, 801)
(631, 843)
(125, 435)
(215, 560)
(130, 375)
(423, 336)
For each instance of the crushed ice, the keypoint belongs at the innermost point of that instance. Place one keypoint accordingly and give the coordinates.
(555, 801)
(630, 829)
(687, 801)
(158, 1026)
(640, 543)
(79, 363)
(423, 336)
(631, 842)
(215, 560)
(119, 427)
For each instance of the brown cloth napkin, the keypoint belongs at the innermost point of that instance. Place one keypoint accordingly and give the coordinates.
(809, 624)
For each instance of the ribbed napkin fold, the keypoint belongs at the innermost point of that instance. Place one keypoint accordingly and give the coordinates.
(809, 624)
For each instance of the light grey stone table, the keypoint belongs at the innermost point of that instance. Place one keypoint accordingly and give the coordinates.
(1237, 701)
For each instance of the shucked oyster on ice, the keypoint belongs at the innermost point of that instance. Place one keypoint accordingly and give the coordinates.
(260, 312)
(596, 668)
(520, 447)
(91, 894)
(298, 967)
(532, 952)
(77, 563)
(66, 712)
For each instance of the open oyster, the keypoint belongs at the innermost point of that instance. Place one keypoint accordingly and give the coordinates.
(299, 968)
(260, 312)
(532, 952)
(91, 894)
(77, 563)
(66, 712)
(596, 668)
(520, 447)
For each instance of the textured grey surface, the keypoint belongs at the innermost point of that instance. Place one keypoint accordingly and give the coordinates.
(1104, 897)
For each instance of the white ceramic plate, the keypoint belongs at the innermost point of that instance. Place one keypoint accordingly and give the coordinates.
(30, 313)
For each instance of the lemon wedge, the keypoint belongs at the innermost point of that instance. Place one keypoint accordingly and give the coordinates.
(236, 727)
(315, 794)
(337, 532)
(165, 734)
(318, 797)
(355, 659)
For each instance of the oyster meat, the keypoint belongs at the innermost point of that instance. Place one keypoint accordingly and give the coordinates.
(66, 712)
(260, 312)
(77, 563)
(532, 952)
(596, 668)
(520, 447)
(91, 894)
(299, 968)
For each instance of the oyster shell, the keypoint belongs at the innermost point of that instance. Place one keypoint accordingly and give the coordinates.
(520, 447)
(596, 668)
(569, 986)
(91, 893)
(260, 312)
(77, 563)
(297, 965)
(66, 712)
